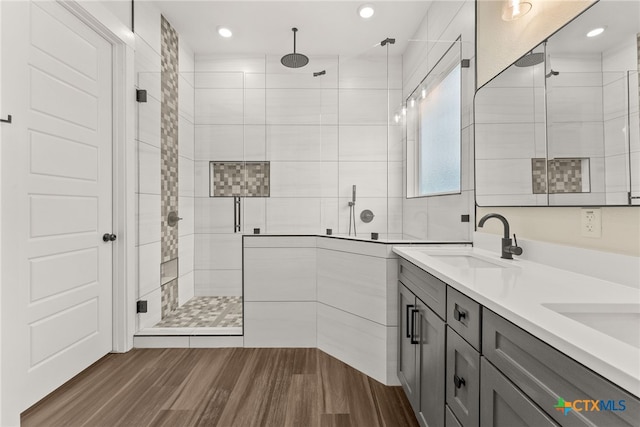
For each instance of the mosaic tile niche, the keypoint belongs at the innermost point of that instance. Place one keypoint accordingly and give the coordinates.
(559, 175)
(239, 179)
(169, 157)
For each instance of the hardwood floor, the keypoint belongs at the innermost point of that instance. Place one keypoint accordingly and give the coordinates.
(222, 387)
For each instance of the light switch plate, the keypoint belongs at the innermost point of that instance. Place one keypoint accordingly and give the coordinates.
(591, 222)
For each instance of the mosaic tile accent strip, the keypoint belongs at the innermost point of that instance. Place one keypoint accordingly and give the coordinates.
(169, 294)
(240, 179)
(565, 176)
(539, 175)
(206, 312)
(169, 156)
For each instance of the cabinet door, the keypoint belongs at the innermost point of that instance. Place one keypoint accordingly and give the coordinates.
(431, 366)
(407, 350)
(545, 375)
(504, 405)
(450, 419)
(463, 379)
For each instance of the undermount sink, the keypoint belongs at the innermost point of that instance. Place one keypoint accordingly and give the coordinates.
(619, 321)
(466, 261)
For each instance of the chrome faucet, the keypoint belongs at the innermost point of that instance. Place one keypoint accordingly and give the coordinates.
(508, 250)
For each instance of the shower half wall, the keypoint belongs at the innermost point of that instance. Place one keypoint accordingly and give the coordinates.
(319, 136)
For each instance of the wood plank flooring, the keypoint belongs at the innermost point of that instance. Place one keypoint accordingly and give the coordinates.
(222, 387)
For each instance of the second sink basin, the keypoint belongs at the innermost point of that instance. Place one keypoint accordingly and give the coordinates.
(466, 261)
(620, 321)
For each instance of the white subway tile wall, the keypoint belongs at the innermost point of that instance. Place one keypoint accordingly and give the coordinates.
(440, 217)
(321, 135)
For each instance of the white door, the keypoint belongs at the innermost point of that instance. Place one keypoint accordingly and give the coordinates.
(56, 195)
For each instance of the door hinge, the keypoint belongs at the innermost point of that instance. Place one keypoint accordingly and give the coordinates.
(141, 306)
(141, 95)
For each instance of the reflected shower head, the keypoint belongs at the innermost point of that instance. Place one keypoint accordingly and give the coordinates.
(530, 60)
(294, 60)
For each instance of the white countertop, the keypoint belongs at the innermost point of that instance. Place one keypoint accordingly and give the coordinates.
(519, 293)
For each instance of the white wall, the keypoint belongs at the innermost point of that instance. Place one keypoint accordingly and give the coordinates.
(321, 135)
(439, 218)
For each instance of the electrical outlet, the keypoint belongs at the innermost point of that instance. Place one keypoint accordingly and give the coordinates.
(591, 223)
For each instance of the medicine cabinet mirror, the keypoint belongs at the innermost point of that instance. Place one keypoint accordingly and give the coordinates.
(560, 126)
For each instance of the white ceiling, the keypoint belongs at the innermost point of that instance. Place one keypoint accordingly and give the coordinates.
(621, 19)
(264, 27)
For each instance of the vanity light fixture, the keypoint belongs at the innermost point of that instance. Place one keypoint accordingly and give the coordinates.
(424, 93)
(596, 32)
(413, 102)
(514, 9)
(404, 110)
(396, 118)
(366, 11)
(224, 32)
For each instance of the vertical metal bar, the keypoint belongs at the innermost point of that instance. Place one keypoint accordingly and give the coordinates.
(235, 215)
(133, 26)
(407, 320)
(239, 214)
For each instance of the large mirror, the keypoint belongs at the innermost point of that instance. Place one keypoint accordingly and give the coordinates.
(560, 126)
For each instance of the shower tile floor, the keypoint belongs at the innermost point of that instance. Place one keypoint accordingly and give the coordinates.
(206, 312)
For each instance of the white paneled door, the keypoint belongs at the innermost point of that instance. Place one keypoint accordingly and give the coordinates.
(56, 196)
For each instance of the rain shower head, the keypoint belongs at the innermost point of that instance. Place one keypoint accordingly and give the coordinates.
(530, 59)
(294, 60)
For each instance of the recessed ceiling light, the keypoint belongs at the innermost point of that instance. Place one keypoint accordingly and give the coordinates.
(595, 32)
(224, 32)
(366, 11)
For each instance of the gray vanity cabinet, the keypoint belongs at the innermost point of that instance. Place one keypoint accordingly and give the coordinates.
(421, 358)
(431, 366)
(407, 350)
(504, 405)
(463, 379)
(421, 350)
(491, 373)
(450, 419)
(546, 375)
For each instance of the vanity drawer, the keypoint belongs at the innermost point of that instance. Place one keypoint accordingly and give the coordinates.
(431, 290)
(503, 405)
(463, 380)
(463, 315)
(545, 374)
(450, 420)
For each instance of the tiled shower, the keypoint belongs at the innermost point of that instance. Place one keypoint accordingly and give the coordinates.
(242, 145)
(313, 138)
(262, 148)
